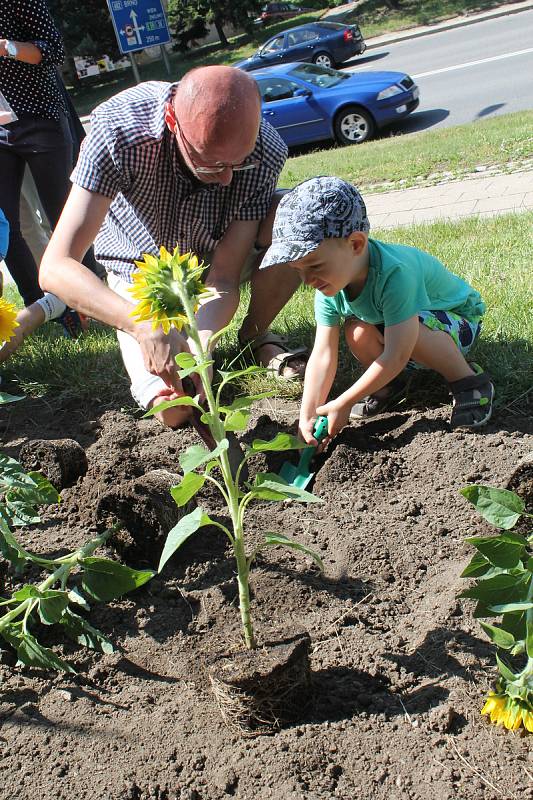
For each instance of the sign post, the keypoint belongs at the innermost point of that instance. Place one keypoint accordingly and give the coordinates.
(139, 24)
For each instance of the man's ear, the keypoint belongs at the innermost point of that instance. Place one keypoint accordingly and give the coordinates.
(358, 241)
(170, 118)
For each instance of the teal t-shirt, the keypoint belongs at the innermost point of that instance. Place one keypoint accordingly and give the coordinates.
(401, 282)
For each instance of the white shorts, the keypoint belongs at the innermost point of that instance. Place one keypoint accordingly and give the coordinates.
(144, 385)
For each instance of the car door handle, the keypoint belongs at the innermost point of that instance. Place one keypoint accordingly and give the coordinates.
(268, 113)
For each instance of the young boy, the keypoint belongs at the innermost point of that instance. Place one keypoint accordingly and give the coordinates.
(398, 305)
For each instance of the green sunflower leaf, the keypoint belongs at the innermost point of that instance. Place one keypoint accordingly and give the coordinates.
(501, 507)
(80, 631)
(274, 539)
(192, 482)
(181, 532)
(280, 443)
(103, 579)
(498, 636)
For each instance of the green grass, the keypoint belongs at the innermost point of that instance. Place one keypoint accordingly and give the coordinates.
(492, 254)
(422, 157)
(375, 18)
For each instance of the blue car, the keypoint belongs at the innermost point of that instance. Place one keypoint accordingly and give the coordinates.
(307, 103)
(324, 43)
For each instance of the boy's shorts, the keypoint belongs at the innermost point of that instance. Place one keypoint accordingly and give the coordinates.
(144, 385)
(463, 331)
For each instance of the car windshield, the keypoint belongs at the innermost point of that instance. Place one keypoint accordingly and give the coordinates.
(323, 77)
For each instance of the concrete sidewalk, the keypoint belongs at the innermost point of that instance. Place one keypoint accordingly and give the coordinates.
(485, 196)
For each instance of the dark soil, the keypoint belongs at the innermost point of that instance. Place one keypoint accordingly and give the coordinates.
(399, 666)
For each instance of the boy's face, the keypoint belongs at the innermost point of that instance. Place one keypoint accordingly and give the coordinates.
(333, 265)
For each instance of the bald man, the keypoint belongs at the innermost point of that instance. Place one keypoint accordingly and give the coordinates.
(188, 164)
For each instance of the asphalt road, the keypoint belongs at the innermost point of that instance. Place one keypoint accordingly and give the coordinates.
(465, 74)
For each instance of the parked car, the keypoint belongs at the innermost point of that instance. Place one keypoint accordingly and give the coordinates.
(324, 43)
(273, 12)
(307, 102)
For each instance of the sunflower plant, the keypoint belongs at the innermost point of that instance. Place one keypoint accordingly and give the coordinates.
(169, 290)
(8, 320)
(52, 601)
(503, 588)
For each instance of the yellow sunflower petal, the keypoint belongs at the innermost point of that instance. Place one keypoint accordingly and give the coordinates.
(490, 704)
(527, 719)
(508, 717)
(8, 320)
(164, 255)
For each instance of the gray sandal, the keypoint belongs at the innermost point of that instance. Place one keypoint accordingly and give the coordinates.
(371, 404)
(472, 400)
(279, 362)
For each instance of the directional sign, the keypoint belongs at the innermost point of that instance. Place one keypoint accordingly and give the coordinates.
(138, 24)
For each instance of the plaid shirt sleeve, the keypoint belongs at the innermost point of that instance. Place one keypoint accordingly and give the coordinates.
(98, 168)
(257, 204)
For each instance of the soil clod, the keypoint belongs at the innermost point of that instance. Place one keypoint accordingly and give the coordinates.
(146, 510)
(259, 691)
(62, 461)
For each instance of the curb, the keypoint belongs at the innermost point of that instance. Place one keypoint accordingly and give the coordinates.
(448, 25)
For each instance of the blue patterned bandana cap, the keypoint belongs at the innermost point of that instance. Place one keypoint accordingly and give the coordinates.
(318, 209)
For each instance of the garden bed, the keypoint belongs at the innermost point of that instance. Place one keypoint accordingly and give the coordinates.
(399, 667)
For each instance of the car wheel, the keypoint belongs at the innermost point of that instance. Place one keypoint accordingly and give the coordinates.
(353, 125)
(323, 60)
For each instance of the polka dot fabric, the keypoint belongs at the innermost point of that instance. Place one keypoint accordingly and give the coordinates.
(31, 89)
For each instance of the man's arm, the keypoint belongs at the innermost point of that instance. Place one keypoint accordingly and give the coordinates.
(62, 273)
(224, 277)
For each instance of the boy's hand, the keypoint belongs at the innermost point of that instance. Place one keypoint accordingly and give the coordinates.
(305, 431)
(338, 416)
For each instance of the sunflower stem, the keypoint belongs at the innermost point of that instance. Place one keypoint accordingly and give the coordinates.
(216, 426)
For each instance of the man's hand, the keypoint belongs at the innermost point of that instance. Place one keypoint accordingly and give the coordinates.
(159, 352)
(338, 416)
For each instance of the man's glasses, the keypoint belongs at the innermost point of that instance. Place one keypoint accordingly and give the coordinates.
(216, 169)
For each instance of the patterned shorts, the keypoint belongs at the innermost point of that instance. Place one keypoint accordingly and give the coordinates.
(463, 331)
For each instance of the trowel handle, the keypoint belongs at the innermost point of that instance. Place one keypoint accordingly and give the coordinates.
(321, 428)
(319, 431)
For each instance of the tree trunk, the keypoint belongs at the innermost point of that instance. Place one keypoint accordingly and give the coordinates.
(220, 30)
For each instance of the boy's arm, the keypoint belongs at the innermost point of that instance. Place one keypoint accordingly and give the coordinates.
(319, 375)
(400, 341)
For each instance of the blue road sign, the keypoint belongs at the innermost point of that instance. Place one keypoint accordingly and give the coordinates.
(138, 24)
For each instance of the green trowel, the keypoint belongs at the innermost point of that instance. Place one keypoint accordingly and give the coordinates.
(301, 474)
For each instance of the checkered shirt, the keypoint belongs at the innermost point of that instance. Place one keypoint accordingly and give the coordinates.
(132, 157)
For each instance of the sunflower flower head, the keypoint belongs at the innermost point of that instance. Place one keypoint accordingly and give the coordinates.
(509, 710)
(8, 320)
(159, 285)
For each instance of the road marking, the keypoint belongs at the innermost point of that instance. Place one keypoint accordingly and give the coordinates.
(472, 63)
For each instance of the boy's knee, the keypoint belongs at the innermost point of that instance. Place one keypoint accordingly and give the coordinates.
(357, 332)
